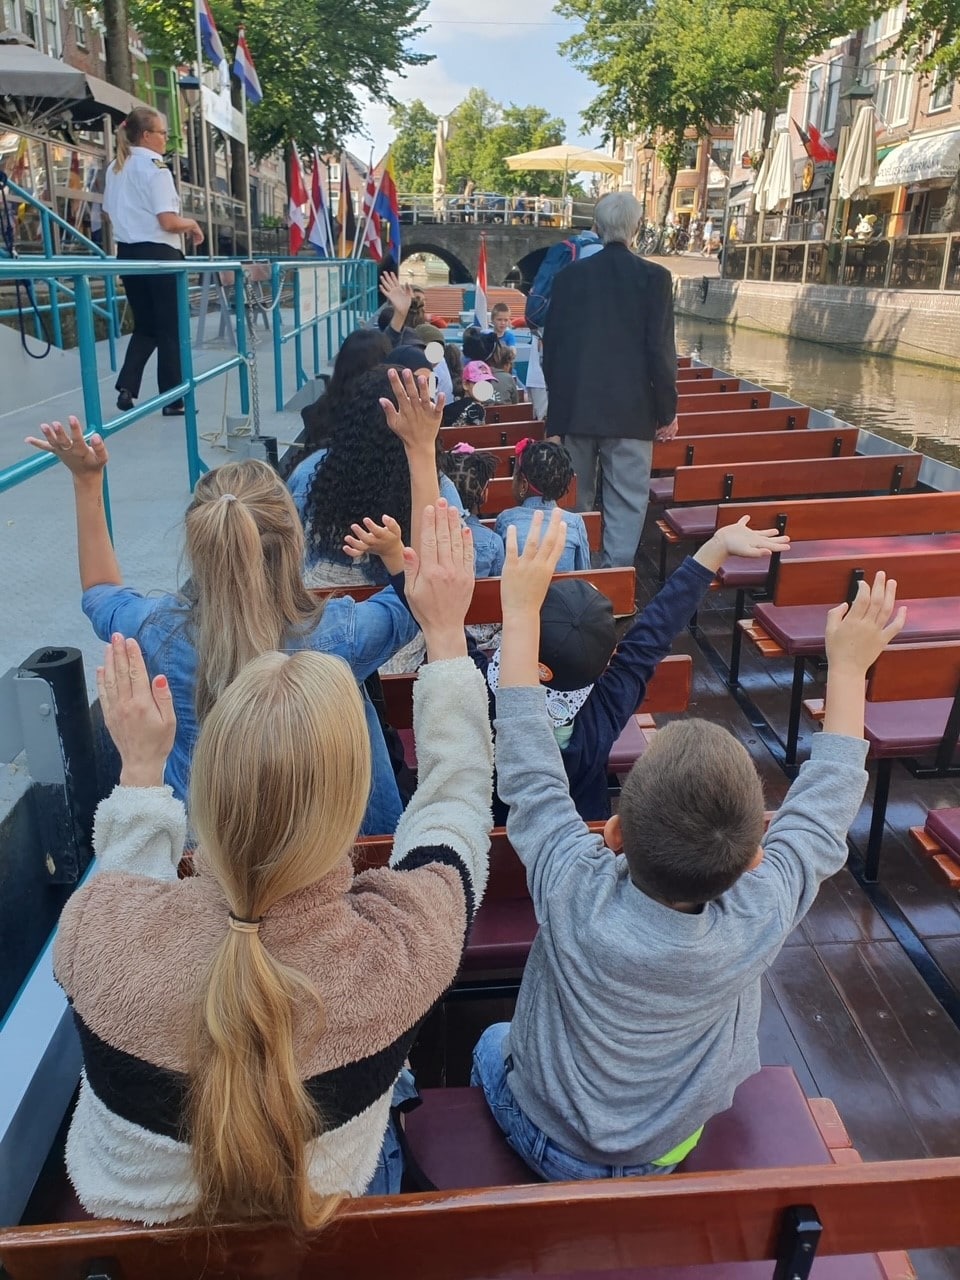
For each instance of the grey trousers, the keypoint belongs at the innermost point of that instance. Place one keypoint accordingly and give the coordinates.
(625, 467)
(538, 398)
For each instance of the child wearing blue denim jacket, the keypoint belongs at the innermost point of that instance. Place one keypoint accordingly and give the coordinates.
(246, 596)
(471, 471)
(542, 474)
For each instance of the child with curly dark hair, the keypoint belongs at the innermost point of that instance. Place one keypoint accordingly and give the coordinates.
(542, 475)
(471, 471)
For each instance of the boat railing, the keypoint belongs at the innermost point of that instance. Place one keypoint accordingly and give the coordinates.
(488, 208)
(930, 262)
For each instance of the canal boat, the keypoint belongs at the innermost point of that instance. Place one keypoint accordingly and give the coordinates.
(841, 1155)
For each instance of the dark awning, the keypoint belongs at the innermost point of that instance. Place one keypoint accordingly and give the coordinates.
(27, 74)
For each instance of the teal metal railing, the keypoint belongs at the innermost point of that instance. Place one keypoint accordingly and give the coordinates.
(81, 274)
(330, 298)
(60, 295)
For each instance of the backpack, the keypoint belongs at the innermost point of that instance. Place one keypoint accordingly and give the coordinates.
(557, 257)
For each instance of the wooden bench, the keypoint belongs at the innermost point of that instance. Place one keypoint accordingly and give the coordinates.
(725, 402)
(793, 624)
(493, 436)
(497, 413)
(696, 373)
(618, 585)
(829, 1214)
(723, 421)
(938, 840)
(913, 710)
(592, 519)
(500, 496)
(714, 386)
(763, 446)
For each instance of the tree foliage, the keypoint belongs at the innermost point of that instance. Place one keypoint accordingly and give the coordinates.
(318, 61)
(933, 27)
(482, 132)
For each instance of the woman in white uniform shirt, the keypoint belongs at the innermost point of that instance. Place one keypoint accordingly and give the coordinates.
(144, 208)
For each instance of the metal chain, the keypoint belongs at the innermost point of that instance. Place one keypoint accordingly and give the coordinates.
(250, 303)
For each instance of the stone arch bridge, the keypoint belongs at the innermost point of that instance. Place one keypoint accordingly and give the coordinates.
(512, 252)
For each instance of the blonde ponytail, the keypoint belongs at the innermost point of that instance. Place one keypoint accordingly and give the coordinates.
(278, 789)
(130, 133)
(244, 542)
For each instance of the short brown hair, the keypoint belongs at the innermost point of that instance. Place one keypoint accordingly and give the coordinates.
(502, 357)
(691, 811)
(499, 308)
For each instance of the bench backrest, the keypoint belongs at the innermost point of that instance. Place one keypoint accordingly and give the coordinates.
(707, 386)
(491, 436)
(737, 421)
(753, 446)
(500, 1232)
(500, 496)
(509, 413)
(830, 579)
(907, 671)
(737, 481)
(686, 373)
(593, 521)
(878, 517)
(618, 585)
(724, 403)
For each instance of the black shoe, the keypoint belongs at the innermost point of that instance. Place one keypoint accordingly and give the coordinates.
(175, 410)
(124, 400)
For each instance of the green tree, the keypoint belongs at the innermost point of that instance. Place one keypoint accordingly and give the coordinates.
(415, 132)
(933, 27)
(318, 60)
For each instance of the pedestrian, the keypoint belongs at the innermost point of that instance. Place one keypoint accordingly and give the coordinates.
(142, 204)
(610, 363)
(707, 237)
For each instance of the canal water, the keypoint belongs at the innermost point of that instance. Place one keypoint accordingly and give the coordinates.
(913, 404)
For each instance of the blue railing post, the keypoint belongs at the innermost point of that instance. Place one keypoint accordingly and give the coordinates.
(275, 286)
(87, 346)
(240, 317)
(299, 375)
(113, 326)
(195, 466)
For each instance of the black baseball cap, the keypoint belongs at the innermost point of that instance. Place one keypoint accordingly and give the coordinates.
(577, 634)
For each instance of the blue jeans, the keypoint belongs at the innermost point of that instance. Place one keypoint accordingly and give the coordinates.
(544, 1156)
(389, 1171)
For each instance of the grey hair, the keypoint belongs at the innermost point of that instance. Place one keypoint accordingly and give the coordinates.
(617, 217)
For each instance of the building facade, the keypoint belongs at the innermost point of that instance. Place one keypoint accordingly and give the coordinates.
(699, 192)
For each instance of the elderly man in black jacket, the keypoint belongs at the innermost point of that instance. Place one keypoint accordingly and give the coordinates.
(611, 370)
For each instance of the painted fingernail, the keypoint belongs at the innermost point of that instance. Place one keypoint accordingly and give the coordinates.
(161, 682)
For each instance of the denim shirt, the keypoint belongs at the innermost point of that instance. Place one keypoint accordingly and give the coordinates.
(576, 554)
(364, 635)
(488, 548)
(369, 569)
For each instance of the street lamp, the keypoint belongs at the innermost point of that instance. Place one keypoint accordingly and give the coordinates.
(190, 91)
(649, 151)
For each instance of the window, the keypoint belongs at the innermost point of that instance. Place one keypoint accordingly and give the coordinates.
(79, 27)
(11, 19)
(31, 22)
(815, 94)
(886, 24)
(689, 151)
(334, 173)
(685, 197)
(720, 154)
(831, 99)
(941, 91)
(893, 84)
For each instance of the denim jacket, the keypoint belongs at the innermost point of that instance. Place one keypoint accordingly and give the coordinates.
(364, 635)
(488, 549)
(576, 554)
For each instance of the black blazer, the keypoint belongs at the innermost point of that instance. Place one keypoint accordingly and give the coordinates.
(609, 356)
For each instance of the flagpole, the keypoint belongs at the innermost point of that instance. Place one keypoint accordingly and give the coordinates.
(246, 157)
(362, 233)
(327, 212)
(204, 142)
(342, 247)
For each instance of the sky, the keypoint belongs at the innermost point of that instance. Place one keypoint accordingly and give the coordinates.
(507, 47)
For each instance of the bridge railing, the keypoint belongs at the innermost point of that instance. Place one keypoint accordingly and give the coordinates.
(492, 208)
(329, 299)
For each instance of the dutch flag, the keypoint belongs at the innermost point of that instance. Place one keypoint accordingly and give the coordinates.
(209, 35)
(245, 71)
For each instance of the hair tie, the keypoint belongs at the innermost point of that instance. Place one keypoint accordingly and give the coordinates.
(228, 497)
(463, 447)
(240, 925)
(523, 445)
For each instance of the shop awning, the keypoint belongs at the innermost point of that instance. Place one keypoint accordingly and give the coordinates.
(27, 74)
(929, 158)
(740, 194)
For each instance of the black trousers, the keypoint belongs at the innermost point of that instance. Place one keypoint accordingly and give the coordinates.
(153, 301)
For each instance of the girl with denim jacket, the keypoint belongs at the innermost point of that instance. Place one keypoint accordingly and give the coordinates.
(542, 475)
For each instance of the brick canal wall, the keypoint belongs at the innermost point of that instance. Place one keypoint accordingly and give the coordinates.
(908, 324)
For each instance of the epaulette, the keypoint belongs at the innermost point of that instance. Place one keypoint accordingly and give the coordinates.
(159, 163)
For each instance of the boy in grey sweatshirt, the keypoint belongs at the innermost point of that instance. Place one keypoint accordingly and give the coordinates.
(638, 1012)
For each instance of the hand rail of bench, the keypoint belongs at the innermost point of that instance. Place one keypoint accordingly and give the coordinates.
(720, 421)
(829, 579)
(884, 516)
(709, 386)
(753, 446)
(486, 1234)
(909, 671)
(490, 435)
(724, 402)
(496, 413)
(737, 481)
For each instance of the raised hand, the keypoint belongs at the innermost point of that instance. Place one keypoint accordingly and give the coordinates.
(139, 714)
(415, 418)
(400, 296)
(440, 580)
(857, 634)
(740, 540)
(526, 578)
(79, 456)
(375, 539)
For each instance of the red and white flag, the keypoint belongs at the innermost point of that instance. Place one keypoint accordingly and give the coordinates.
(371, 220)
(480, 300)
(299, 199)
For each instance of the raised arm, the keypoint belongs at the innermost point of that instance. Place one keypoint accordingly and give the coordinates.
(416, 420)
(85, 460)
(448, 819)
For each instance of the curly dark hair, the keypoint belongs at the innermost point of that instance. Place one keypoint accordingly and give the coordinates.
(470, 473)
(454, 359)
(365, 472)
(546, 467)
(361, 351)
(478, 344)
